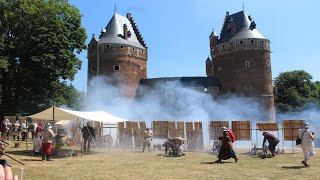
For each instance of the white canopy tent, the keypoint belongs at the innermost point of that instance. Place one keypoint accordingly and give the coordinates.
(58, 114)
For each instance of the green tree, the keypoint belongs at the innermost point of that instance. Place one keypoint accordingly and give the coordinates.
(38, 42)
(294, 90)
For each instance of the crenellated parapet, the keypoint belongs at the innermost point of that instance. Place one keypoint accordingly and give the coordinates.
(240, 45)
(137, 31)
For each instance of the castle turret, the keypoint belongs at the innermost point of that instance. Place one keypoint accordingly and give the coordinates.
(209, 67)
(241, 60)
(119, 55)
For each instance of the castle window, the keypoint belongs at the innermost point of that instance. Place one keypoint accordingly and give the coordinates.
(92, 47)
(212, 49)
(116, 67)
(108, 46)
(241, 42)
(262, 42)
(248, 87)
(222, 46)
(268, 62)
(210, 39)
(252, 41)
(247, 64)
(142, 51)
(219, 69)
(93, 69)
(132, 49)
(121, 46)
(231, 44)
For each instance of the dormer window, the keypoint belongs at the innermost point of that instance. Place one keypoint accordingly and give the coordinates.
(247, 64)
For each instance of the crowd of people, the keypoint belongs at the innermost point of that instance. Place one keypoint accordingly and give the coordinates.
(42, 137)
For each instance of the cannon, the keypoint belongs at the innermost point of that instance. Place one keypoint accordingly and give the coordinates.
(174, 146)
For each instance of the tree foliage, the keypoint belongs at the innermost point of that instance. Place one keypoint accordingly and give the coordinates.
(294, 91)
(38, 39)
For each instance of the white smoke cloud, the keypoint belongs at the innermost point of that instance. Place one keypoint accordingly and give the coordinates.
(172, 101)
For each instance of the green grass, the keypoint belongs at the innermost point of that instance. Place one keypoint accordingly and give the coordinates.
(131, 164)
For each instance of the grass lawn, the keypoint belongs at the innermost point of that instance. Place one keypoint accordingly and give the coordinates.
(132, 164)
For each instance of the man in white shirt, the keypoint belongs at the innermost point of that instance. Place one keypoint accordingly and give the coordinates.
(24, 130)
(307, 143)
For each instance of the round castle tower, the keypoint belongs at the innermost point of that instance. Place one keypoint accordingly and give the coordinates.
(240, 59)
(119, 55)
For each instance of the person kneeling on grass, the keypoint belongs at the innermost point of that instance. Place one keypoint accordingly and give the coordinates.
(226, 150)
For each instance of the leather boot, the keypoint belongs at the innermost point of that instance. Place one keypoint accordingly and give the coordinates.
(48, 157)
(43, 157)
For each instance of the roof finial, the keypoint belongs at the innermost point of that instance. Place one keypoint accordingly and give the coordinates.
(115, 8)
(243, 5)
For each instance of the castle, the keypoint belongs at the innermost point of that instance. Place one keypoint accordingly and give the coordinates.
(239, 64)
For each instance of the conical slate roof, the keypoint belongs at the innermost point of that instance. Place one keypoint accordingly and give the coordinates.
(208, 60)
(245, 28)
(113, 33)
(213, 34)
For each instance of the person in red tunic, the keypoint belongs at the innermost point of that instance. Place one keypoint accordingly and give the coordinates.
(47, 139)
(226, 150)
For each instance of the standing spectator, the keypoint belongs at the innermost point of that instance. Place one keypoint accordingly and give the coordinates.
(24, 130)
(147, 138)
(272, 140)
(47, 139)
(87, 134)
(32, 128)
(307, 144)
(17, 129)
(226, 150)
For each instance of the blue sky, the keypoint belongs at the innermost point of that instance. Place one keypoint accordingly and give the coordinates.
(177, 31)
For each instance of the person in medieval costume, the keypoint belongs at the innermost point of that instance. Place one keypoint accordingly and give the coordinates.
(272, 140)
(24, 130)
(87, 134)
(226, 150)
(147, 138)
(17, 129)
(47, 139)
(307, 143)
(37, 141)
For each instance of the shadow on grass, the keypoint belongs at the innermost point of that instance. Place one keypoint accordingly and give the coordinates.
(223, 162)
(293, 167)
(169, 156)
(63, 153)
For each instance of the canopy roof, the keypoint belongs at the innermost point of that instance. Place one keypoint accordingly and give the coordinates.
(57, 114)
